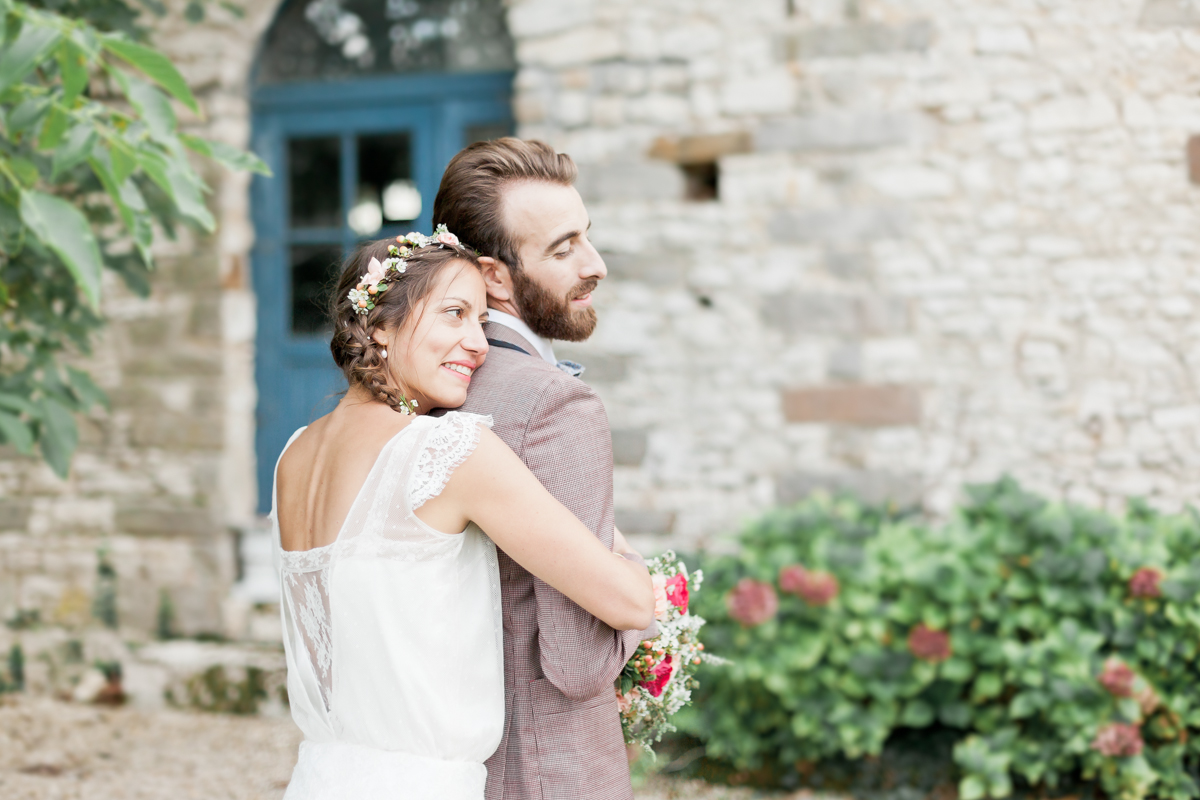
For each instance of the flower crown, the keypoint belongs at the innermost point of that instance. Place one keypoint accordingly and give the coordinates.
(380, 275)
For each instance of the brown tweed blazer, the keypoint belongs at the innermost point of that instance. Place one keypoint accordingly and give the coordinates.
(562, 732)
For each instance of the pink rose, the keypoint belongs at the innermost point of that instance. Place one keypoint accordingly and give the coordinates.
(752, 602)
(929, 645)
(1117, 677)
(447, 238)
(677, 592)
(661, 604)
(1144, 583)
(663, 671)
(625, 701)
(1118, 740)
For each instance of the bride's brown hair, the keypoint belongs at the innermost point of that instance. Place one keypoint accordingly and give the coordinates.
(354, 351)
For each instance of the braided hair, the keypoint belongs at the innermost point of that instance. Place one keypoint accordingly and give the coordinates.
(354, 351)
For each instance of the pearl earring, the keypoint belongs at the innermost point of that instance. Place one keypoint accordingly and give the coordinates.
(384, 354)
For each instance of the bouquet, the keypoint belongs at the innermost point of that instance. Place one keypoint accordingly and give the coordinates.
(658, 680)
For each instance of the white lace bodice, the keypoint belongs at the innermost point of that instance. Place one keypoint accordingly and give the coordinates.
(393, 632)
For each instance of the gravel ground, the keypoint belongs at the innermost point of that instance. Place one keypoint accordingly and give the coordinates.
(63, 751)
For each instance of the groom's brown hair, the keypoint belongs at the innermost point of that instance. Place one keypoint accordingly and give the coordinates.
(469, 199)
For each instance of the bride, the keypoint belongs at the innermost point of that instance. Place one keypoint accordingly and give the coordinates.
(390, 590)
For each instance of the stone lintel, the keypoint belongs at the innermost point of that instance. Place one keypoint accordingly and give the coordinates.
(700, 149)
(854, 404)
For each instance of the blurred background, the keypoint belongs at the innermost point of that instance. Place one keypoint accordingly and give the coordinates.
(875, 247)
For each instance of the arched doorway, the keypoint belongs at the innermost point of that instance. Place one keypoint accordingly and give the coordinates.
(357, 107)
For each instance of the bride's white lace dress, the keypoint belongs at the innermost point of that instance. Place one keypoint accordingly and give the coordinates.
(393, 636)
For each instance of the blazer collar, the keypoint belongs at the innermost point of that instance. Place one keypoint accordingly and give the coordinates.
(494, 330)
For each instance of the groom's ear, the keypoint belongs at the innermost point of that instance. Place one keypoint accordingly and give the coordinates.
(497, 279)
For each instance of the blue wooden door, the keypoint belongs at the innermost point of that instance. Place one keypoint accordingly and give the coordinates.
(352, 161)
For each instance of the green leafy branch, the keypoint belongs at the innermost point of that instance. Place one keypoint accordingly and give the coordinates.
(92, 162)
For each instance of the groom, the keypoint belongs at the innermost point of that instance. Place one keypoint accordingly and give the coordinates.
(515, 202)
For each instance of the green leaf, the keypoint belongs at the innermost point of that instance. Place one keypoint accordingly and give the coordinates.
(65, 231)
(16, 433)
(180, 184)
(60, 436)
(155, 65)
(151, 104)
(971, 788)
(21, 57)
(75, 150)
(25, 170)
(17, 403)
(85, 389)
(916, 714)
(131, 206)
(27, 114)
(194, 11)
(226, 154)
(73, 67)
(124, 160)
(12, 232)
(53, 128)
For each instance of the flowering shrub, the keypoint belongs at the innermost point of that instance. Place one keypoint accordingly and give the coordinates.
(1060, 642)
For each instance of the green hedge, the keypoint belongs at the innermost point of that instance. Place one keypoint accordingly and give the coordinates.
(1060, 641)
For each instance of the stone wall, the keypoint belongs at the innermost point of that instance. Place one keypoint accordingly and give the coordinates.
(950, 240)
(163, 479)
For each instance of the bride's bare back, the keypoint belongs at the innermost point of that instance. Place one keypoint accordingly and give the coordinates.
(321, 474)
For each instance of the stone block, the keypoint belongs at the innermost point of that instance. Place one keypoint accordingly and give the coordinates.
(805, 313)
(700, 149)
(1003, 40)
(772, 92)
(843, 315)
(857, 39)
(642, 180)
(204, 321)
(1170, 13)
(836, 131)
(185, 431)
(1193, 159)
(854, 404)
(839, 225)
(150, 521)
(867, 485)
(668, 268)
(632, 521)
(14, 514)
(629, 447)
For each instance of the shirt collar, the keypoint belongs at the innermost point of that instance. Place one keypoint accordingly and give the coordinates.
(543, 346)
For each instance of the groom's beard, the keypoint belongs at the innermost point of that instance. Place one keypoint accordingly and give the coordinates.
(551, 316)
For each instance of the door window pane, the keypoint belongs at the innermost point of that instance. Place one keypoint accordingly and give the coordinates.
(314, 275)
(314, 168)
(386, 192)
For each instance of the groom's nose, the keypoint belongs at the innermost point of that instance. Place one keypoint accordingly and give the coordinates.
(593, 267)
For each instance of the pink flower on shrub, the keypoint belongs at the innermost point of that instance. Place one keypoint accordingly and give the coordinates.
(929, 645)
(1147, 700)
(677, 592)
(791, 577)
(752, 602)
(1117, 678)
(1145, 582)
(814, 587)
(663, 671)
(1118, 740)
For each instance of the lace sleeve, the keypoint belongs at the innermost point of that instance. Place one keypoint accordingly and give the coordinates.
(452, 439)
